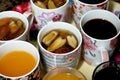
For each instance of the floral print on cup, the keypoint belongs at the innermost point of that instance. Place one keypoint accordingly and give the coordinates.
(46, 17)
(79, 8)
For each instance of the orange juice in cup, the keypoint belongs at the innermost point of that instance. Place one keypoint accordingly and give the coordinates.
(19, 60)
(17, 63)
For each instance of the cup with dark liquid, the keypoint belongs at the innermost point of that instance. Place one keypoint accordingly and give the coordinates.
(80, 7)
(100, 30)
(109, 70)
(60, 45)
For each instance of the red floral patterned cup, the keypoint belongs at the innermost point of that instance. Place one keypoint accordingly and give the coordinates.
(79, 8)
(99, 50)
(52, 59)
(45, 15)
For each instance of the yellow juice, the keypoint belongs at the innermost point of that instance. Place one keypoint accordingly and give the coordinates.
(64, 76)
(16, 63)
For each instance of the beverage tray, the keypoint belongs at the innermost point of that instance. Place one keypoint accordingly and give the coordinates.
(83, 67)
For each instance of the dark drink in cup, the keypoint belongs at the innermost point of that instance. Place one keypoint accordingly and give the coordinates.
(107, 71)
(92, 1)
(97, 28)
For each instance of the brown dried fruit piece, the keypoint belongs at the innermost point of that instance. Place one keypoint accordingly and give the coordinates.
(40, 4)
(51, 5)
(59, 42)
(4, 30)
(64, 50)
(13, 27)
(19, 23)
(59, 3)
(72, 41)
(49, 38)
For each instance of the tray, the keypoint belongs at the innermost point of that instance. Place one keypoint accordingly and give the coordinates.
(83, 67)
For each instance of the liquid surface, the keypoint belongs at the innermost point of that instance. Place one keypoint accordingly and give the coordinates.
(100, 29)
(92, 1)
(11, 28)
(59, 42)
(110, 73)
(64, 76)
(17, 63)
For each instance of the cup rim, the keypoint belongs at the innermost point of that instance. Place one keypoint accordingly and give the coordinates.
(32, 70)
(26, 24)
(98, 10)
(94, 4)
(66, 3)
(78, 46)
(64, 67)
(93, 75)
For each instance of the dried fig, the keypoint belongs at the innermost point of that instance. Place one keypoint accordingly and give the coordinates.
(4, 31)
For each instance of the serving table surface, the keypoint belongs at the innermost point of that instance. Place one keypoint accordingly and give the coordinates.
(83, 67)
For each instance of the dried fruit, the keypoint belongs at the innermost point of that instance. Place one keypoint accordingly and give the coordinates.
(64, 49)
(49, 38)
(45, 2)
(72, 41)
(4, 31)
(59, 42)
(19, 23)
(51, 5)
(40, 4)
(13, 27)
(59, 3)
